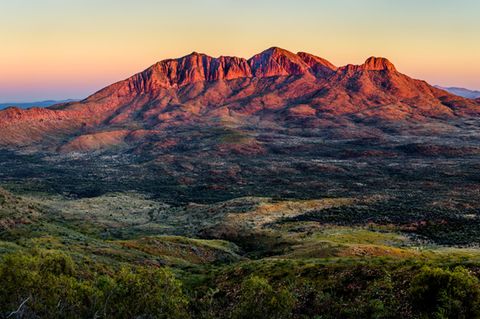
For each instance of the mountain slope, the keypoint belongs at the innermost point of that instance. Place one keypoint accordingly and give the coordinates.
(273, 90)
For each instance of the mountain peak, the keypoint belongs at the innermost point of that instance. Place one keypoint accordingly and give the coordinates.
(277, 51)
(196, 54)
(273, 62)
(277, 62)
(307, 57)
(318, 65)
(378, 64)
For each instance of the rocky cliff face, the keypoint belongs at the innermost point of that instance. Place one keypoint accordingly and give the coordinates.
(277, 62)
(196, 67)
(378, 64)
(275, 89)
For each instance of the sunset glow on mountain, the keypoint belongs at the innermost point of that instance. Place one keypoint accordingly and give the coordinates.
(56, 49)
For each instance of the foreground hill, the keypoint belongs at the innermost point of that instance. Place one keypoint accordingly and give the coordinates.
(274, 90)
(130, 256)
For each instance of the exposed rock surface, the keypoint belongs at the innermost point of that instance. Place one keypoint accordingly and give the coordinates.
(275, 90)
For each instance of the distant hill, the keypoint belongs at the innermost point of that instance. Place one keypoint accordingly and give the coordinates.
(25, 105)
(470, 94)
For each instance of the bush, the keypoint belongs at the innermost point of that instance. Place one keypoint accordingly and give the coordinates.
(259, 300)
(43, 286)
(146, 293)
(439, 293)
(47, 285)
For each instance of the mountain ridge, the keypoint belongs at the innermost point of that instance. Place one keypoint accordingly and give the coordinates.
(200, 67)
(275, 89)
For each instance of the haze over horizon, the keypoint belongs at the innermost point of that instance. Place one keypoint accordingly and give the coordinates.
(53, 52)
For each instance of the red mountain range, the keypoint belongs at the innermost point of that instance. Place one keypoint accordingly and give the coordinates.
(276, 90)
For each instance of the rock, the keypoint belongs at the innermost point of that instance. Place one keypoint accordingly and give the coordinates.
(277, 62)
(378, 64)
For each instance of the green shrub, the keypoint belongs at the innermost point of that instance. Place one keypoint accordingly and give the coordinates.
(146, 293)
(259, 299)
(57, 264)
(43, 286)
(438, 293)
(47, 285)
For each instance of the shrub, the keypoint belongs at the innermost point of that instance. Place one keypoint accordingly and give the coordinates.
(259, 299)
(146, 293)
(439, 293)
(43, 286)
(46, 285)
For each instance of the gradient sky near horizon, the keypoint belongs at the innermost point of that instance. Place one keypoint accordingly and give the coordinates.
(57, 49)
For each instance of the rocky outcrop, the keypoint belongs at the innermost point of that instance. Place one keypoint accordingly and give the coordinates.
(277, 62)
(317, 65)
(95, 141)
(378, 64)
(197, 67)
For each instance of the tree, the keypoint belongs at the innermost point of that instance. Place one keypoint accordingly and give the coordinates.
(44, 286)
(145, 292)
(438, 293)
(259, 299)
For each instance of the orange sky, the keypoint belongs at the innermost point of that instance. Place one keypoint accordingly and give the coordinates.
(56, 49)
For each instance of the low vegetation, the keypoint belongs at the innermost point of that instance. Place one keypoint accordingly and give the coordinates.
(53, 284)
(293, 233)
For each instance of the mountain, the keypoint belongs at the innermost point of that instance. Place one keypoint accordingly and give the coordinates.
(275, 90)
(24, 105)
(470, 94)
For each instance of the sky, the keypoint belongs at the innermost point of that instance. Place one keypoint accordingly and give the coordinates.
(58, 49)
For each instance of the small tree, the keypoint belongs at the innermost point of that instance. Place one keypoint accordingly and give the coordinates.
(259, 300)
(44, 286)
(146, 293)
(439, 293)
